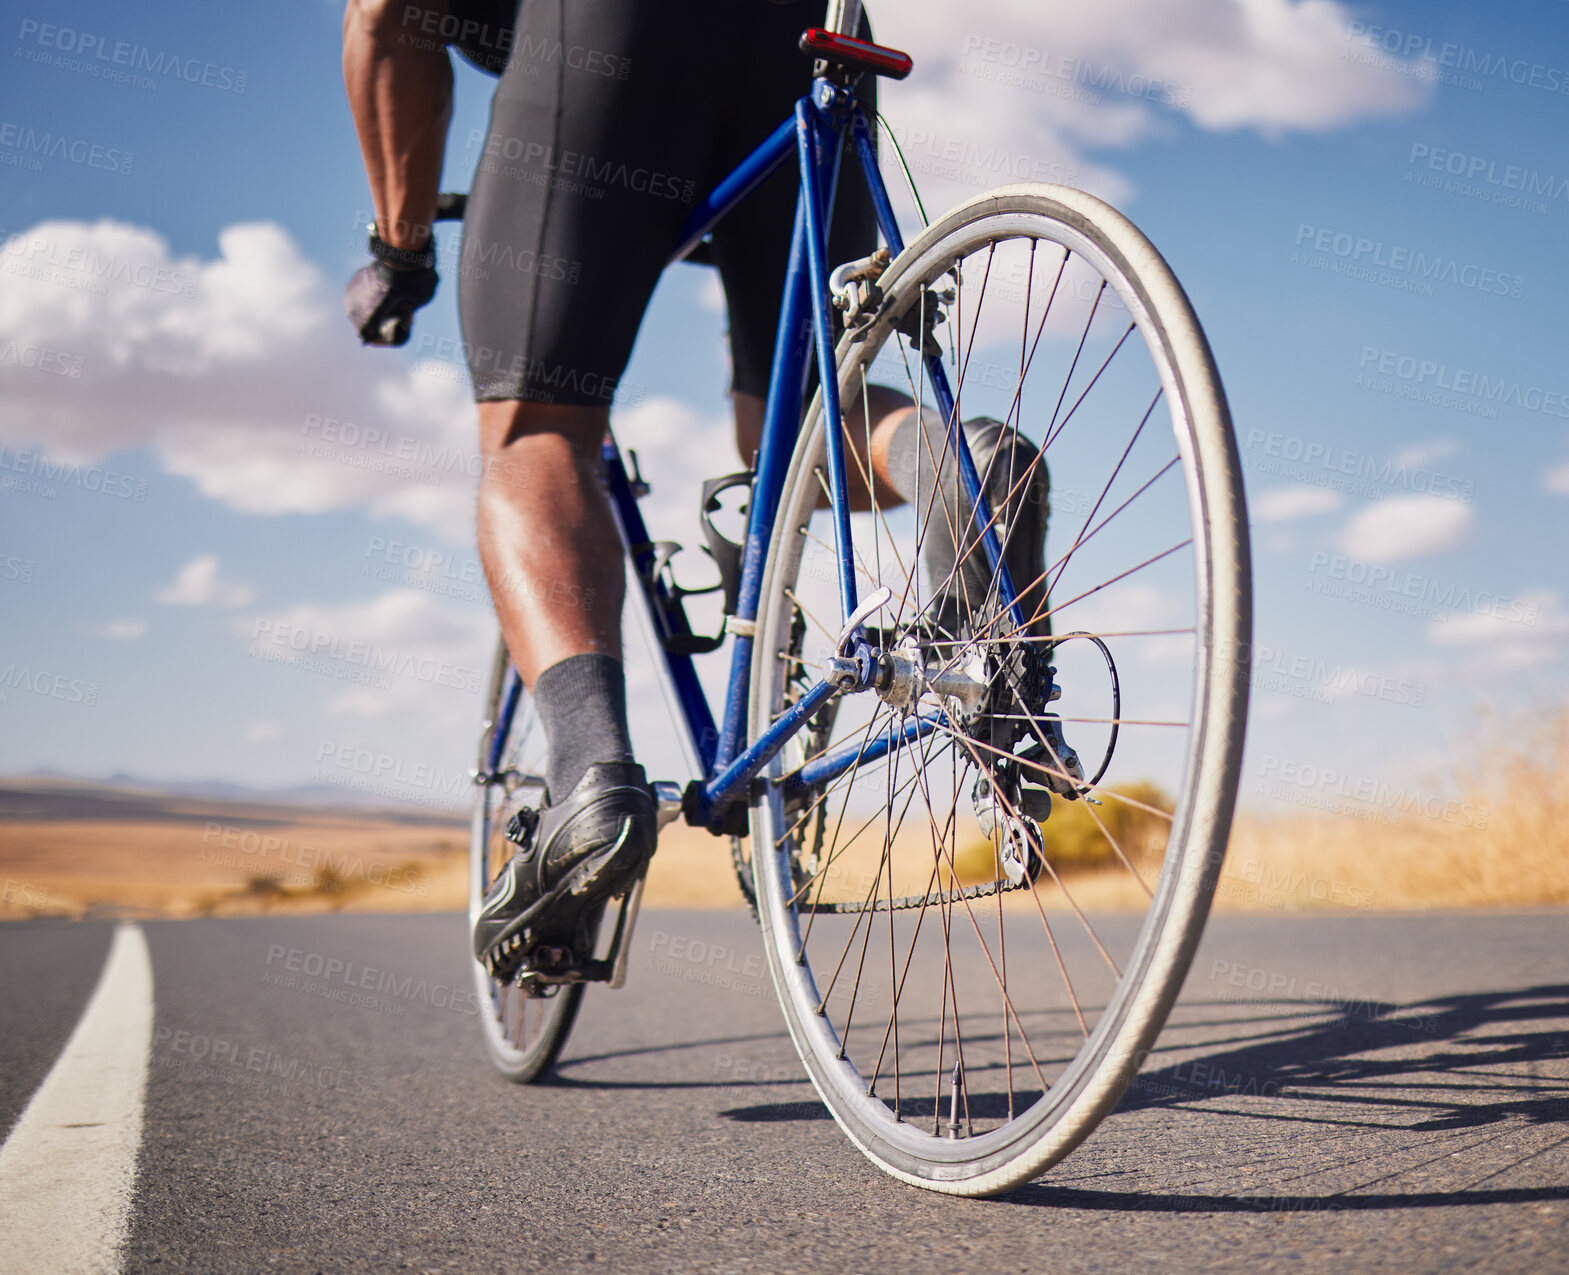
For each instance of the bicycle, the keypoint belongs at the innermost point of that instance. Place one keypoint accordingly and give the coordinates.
(856, 694)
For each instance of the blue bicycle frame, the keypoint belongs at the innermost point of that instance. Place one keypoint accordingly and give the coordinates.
(824, 120)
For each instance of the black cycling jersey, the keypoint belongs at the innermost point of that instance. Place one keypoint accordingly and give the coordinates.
(610, 120)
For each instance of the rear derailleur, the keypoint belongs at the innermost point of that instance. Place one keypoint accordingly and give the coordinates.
(1013, 797)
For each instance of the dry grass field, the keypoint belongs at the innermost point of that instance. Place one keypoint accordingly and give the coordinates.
(77, 851)
(1500, 838)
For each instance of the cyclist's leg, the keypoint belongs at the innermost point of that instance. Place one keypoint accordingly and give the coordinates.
(553, 560)
(546, 537)
(587, 172)
(889, 408)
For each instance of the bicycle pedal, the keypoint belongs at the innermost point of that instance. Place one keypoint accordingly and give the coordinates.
(501, 961)
(548, 960)
(550, 966)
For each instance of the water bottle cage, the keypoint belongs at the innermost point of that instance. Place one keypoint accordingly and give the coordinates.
(726, 554)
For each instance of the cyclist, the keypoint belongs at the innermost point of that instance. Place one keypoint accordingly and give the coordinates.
(609, 119)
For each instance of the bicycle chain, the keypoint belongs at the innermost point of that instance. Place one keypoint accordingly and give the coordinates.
(907, 901)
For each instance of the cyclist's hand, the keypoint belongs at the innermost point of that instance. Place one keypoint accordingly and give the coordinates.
(381, 301)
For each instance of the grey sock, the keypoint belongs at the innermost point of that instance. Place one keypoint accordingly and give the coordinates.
(1021, 527)
(582, 703)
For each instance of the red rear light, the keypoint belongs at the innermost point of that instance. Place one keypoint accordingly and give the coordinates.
(846, 50)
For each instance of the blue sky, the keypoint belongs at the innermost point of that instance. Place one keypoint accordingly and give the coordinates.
(216, 505)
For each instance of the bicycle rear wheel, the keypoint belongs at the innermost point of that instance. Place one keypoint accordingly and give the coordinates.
(973, 960)
(523, 1033)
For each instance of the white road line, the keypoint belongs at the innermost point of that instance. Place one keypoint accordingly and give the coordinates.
(67, 1170)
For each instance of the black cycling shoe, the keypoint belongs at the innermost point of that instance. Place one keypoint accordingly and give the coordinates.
(571, 856)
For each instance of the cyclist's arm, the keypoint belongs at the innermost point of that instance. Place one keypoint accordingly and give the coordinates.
(399, 83)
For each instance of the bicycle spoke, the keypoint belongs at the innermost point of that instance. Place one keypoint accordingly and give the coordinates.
(834, 857)
(1059, 639)
(860, 562)
(1058, 773)
(1121, 575)
(1063, 424)
(1001, 983)
(886, 859)
(887, 841)
(1002, 960)
(1083, 337)
(1101, 721)
(1104, 491)
(1061, 563)
(823, 872)
(821, 627)
(1077, 911)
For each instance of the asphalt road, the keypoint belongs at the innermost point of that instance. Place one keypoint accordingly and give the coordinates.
(1337, 1093)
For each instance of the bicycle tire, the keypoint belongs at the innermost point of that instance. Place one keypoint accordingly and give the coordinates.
(523, 1035)
(836, 1050)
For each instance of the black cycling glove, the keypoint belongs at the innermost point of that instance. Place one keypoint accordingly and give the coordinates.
(381, 301)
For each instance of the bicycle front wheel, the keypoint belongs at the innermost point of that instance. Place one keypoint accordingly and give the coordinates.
(523, 1033)
(981, 885)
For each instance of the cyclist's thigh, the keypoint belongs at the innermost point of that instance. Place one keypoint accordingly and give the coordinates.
(752, 245)
(481, 30)
(599, 138)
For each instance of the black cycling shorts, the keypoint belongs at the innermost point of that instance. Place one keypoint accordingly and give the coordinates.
(612, 118)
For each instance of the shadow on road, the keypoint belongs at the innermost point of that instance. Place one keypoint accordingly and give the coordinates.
(560, 1076)
(1369, 1054)
(1450, 1063)
(1040, 1195)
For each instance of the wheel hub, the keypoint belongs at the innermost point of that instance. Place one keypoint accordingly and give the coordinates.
(907, 675)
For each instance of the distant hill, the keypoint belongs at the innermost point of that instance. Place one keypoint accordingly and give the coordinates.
(52, 796)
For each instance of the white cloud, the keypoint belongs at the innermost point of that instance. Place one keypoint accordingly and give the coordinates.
(1014, 91)
(239, 371)
(1426, 453)
(1556, 480)
(198, 584)
(402, 651)
(263, 732)
(1284, 504)
(1406, 527)
(1522, 632)
(121, 630)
